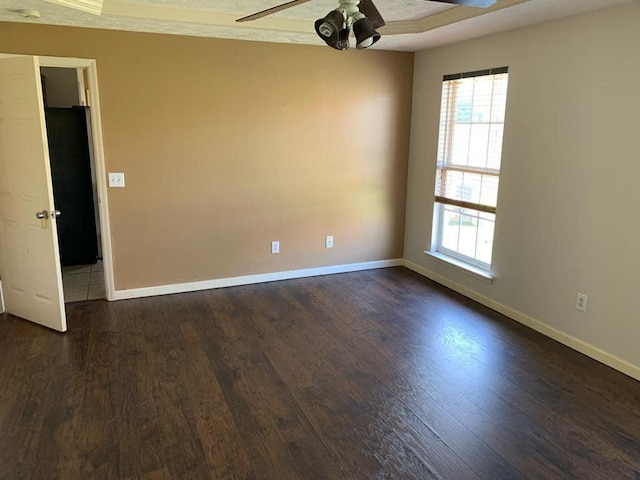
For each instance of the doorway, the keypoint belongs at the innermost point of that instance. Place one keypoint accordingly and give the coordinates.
(73, 172)
(90, 96)
(31, 274)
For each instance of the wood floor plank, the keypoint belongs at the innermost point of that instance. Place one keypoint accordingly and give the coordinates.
(136, 406)
(551, 431)
(369, 375)
(250, 387)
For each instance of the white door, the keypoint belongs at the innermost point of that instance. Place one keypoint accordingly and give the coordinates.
(29, 257)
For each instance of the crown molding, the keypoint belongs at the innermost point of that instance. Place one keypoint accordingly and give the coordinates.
(444, 18)
(89, 6)
(118, 8)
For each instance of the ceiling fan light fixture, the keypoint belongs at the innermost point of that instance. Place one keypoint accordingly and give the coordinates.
(365, 34)
(329, 27)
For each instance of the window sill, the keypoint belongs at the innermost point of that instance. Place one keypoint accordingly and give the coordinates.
(462, 266)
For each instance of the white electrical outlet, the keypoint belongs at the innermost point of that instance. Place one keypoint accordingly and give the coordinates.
(275, 247)
(116, 180)
(581, 302)
(328, 243)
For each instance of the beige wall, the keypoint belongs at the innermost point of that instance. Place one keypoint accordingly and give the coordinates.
(568, 209)
(227, 145)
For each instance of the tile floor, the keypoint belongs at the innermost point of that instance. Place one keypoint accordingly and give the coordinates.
(83, 282)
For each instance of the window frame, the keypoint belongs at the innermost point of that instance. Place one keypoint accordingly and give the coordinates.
(439, 207)
(437, 249)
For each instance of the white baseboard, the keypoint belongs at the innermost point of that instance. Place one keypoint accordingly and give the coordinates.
(558, 335)
(250, 279)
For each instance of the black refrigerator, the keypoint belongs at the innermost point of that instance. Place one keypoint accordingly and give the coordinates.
(72, 185)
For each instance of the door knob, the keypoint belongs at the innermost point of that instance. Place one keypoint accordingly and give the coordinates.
(55, 213)
(43, 215)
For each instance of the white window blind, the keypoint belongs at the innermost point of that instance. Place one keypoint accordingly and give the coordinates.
(470, 146)
(469, 156)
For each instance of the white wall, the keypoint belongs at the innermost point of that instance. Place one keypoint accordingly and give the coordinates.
(569, 211)
(62, 87)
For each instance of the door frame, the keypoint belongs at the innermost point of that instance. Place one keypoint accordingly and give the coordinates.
(98, 155)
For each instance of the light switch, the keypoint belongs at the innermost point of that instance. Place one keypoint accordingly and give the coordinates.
(116, 180)
(328, 242)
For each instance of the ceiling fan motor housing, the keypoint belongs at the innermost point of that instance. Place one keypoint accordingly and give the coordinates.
(349, 7)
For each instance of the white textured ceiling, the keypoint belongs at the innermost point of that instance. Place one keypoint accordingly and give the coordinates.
(412, 24)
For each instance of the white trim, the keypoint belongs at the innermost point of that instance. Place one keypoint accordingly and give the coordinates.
(537, 325)
(101, 179)
(65, 62)
(98, 157)
(251, 279)
(1, 299)
(90, 6)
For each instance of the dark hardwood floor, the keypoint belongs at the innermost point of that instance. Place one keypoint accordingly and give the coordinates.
(371, 375)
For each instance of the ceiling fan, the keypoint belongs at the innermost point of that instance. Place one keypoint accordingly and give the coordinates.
(361, 15)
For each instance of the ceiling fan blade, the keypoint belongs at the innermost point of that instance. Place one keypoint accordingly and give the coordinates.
(369, 10)
(469, 3)
(271, 10)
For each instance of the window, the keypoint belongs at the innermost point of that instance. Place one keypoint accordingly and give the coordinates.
(468, 168)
